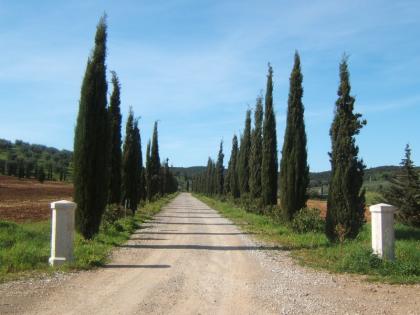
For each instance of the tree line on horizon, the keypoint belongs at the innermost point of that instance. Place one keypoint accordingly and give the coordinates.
(255, 176)
(104, 174)
(25, 160)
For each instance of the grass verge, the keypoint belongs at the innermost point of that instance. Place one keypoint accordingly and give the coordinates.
(25, 248)
(314, 250)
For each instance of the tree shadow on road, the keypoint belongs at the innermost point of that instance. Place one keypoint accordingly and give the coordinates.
(137, 266)
(202, 247)
(188, 217)
(197, 212)
(148, 239)
(194, 233)
(194, 223)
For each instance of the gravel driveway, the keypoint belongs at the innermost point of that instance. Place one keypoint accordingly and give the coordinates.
(190, 260)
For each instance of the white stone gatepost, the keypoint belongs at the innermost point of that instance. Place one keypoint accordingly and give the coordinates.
(383, 235)
(62, 232)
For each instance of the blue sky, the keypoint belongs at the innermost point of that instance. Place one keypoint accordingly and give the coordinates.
(196, 66)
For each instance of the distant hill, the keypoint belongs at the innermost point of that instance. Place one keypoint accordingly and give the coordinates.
(23, 159)
(371, 174)
(374, 174)
(187, 171)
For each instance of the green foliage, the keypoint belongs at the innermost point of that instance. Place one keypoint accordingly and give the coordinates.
(23, 159)
(373, 198)
(346, 199)
(233, 169)
(91, 141)
(256, 152)
(141, 189)
(148, 176)
(313, 248)
(40, 174)
(294, 169)
(168, 180)
(131, 164)
(159, 179)
(211, 180)
(155, 183)
(115, 129)
(244, 155)
(113, 212)
(269, 164)
(404, 192)
(308, 220)
(220, 171)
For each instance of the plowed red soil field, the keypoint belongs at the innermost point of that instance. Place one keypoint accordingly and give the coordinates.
(28, 200)
(322, 205)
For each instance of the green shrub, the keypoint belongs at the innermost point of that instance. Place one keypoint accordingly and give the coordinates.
(308, 220)
(251, 205)
(113, 213)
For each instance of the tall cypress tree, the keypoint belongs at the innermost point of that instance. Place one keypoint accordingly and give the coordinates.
(155, 163)
(346, 198)
(141, 190)
(404, 192)
(148, 173)
(233, 174)
(91, 141)
(130, 165)
(256, 152)
(244, 155)
(209, 177)
(220, 170)
(269, 166)
(115, 126)
(138, 163)
(294, 170)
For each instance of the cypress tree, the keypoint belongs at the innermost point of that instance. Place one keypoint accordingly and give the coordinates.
(148, 173)
(131, 163)
(91, 141)
(141, 191)
(233, 175)
(269, 165)
(227, 180)
(256, 152)
(155, 163)
(220, 170)
(404, 192)
(137, 164)
(346, 199)
(115, 126)
(294, 170)
(244, 155)
(209, 177)
(166, 181)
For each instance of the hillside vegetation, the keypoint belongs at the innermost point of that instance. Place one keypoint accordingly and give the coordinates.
(25, 160)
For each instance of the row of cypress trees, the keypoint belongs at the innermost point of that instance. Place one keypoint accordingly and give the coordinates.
(252, 172)
(103, 173)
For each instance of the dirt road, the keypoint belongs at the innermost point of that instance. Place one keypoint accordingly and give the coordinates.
(189, 260)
